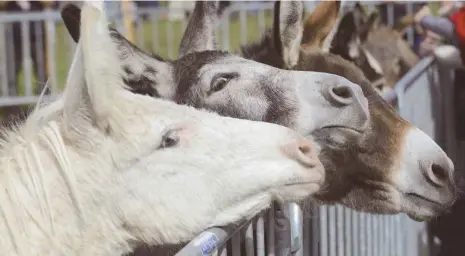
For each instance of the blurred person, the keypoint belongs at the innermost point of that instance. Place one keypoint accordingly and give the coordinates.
(451, 27)
(430, 42)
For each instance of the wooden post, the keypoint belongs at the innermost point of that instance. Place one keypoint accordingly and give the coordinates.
(128, 19)
(47, 7)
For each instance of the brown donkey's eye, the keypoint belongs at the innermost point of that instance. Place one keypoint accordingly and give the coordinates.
(170, 139)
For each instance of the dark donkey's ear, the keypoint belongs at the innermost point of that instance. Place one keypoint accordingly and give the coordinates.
(370, 25)
(71, 15)
(288, 30)
(347, 36)
(200, 33)
(320, 23)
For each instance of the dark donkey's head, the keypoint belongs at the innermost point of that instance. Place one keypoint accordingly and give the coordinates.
(204, 77)
(379, 51)
(394, 167)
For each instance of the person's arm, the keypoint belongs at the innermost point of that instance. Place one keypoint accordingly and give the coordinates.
(439, 25)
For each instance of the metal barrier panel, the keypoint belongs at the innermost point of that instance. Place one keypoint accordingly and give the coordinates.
(324, 230)
(433, 114)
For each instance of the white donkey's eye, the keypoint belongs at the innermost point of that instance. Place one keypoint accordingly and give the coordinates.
(220, 81)
(170, 139)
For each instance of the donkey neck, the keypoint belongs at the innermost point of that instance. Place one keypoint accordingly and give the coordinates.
(50, 204)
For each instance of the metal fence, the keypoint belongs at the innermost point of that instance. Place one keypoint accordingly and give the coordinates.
(321, 230)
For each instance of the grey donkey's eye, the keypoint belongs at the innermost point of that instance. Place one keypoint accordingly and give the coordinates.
(220, 81)
(169, 140)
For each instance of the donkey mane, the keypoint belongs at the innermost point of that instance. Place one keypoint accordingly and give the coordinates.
(30, 172)
(20, 147)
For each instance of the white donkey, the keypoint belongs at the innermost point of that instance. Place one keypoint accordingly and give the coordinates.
(109, 169)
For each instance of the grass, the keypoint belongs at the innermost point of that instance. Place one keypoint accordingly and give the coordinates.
(154, 40)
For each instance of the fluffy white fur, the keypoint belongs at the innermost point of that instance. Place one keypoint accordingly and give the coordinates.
(85, 175)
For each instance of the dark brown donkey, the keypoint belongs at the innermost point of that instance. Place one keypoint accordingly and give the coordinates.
(379, 51)
(393, 167)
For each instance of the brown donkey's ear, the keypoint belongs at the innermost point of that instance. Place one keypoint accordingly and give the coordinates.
(319, 24)
(71, 15)
(360, 18)
(369, 26)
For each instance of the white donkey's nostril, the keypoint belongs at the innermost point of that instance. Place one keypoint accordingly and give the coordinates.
(303, 152)
(306, 148)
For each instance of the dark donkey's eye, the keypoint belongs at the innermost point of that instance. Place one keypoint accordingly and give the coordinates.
(170, 139)
(220, 81)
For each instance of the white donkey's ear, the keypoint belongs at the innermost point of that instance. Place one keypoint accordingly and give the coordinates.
(102, 69)
(200, 33)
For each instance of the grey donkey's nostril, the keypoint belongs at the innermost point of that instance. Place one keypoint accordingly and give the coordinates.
(341, 94)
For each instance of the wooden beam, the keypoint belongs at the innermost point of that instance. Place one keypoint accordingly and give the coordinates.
(45, 42)
(128, 19)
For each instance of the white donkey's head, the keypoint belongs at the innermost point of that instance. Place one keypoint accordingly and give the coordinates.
(165, 171)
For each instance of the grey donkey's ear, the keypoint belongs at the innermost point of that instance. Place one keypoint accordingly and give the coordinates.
(141, 70)
(288, 30)
(200, 33)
